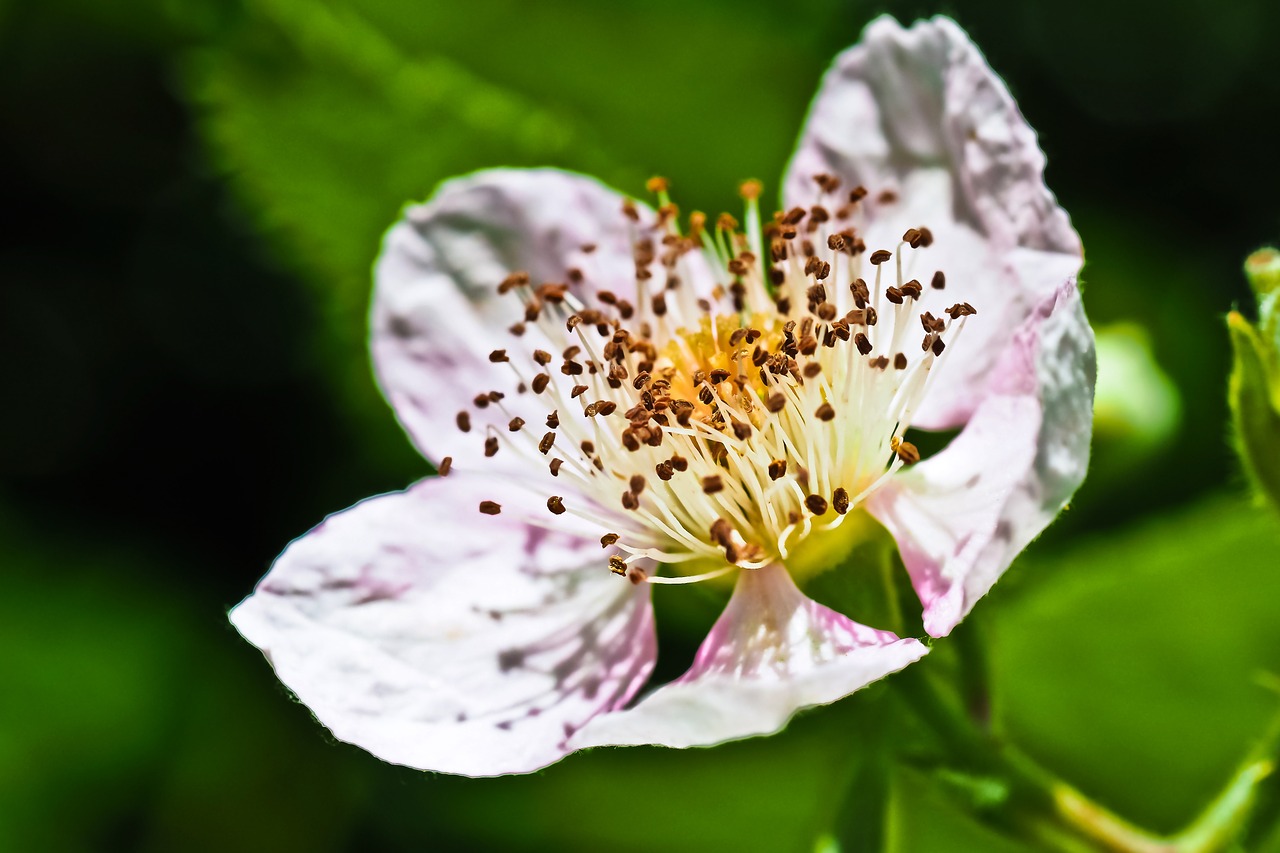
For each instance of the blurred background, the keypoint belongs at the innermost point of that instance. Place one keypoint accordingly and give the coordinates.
(194, 191)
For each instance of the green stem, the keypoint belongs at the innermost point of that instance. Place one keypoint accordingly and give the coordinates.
(1060, 817)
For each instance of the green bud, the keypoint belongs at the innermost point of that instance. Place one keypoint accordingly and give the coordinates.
(1255, 376)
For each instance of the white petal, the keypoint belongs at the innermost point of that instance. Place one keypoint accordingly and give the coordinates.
(918, 111)
(436, 311)
(772, 652)
(442, 639)
(961, 517)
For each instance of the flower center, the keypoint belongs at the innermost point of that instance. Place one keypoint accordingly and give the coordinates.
(725, 427)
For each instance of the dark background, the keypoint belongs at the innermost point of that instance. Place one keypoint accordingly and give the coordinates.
(193, 194)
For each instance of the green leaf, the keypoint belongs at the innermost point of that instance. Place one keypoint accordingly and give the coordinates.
(1129, 665)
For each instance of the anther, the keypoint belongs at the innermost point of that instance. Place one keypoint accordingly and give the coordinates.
(861, 341)
(816, 504)
(578, 391)
(679, 463)
(515, 424)
(540, 382)
(900, 361)
(490, 508)
(555, 503)
(907, 452)
(637, 483)
(617, 565)
(544, 446)
(511, 282)
(637, 575)
(516, 329)
(446, 465)
(879, 256)
(553, 419)
(939, 280)
(825, 412)
(712, 484)
(911, 238)
(555, 467)
(840, 501)
(777, 469)
(630, 500)
(498, 356)
(490, 446)
(464, 421)
(812, 369)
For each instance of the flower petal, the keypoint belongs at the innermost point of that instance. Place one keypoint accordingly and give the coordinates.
(442, 639)
(436, 311)
(772, 652)
(920, 113)
(961, 517)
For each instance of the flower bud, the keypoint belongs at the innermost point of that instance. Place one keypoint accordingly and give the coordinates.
(1255, 376)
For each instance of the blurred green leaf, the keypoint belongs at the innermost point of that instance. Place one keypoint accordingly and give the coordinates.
(1129, 664)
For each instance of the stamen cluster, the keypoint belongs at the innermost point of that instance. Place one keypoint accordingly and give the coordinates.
(723, 427)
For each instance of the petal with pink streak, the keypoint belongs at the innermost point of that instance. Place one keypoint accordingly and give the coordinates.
(961, 517)
(772, 652)
(439, 638)
(920, 112)
(436, 312)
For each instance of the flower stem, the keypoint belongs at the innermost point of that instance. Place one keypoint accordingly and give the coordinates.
(1058, 816)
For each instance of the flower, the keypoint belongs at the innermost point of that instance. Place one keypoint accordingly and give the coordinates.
(610, 390)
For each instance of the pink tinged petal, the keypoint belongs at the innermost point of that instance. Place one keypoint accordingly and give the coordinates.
(961, 517)
(920, 112)
(772, 652)
(442, 639)
(437, 313)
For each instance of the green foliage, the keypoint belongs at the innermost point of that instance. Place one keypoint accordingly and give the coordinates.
(1255, 376)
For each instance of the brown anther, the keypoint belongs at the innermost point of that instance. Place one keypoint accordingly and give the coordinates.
(511, 282)
(926, 236)
(553, 419)
(907, 452)
(555, 503)
(900, 361)
(777, 469)
(637, 483)
(498, 356)
(939, 280)
(825, 412)
(836, 242)
(937, 346)
(490, 446)
(742, 431)
(911, 238)
(555, 467)
(862, 343)
(818, 213)
(481, 401)
(490, 508)
(718, 375)
(816, 504)
(826, 312)
(578, 391)
(872, 316)
(630, 500)
(629, 210)
(721, 532)
(618, 566)
(812, 369)
(516, 329)
(542, 357)
(840, 500)
(540, 382)
(571, 368)
(607, 407)
(588, 447)
(659, 304)
(857, 194)
(887, 197)
(591, 409)
(894, 295)
(446, 465)
(823, 271)
(912, 289)
(608, 539)
(879, 256)
(706, 396)
(880, 362)
(961, 310)
(827, 183)
(712, 484)
(679, 463)
(464, 421)
(515, 424)
(544, 446)
(637, 575)
(664, 471)
(725, 222)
